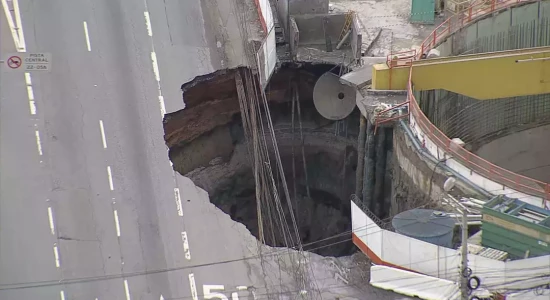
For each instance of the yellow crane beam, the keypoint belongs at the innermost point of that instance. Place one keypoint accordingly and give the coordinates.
(481, 76)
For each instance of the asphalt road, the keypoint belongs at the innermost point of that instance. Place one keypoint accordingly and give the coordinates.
(94, 195)
(87, 191)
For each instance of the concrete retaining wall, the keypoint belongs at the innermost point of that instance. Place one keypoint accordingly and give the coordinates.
(311, 28)
(299, 7)
(519, 27)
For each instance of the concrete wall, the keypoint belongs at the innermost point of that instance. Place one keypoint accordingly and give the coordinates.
(356, 38)
(524, 152)
(267, 58)
(300, 7)
(283, 16)
(519, 27)
(429, 259)
(311, 28)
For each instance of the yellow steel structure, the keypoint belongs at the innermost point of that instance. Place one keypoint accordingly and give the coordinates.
(481, 76)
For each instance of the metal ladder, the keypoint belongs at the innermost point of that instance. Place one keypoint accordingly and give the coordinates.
(347, 25)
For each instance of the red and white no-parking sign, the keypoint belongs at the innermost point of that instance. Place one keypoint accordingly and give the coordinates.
(14, 62)
(27, 62)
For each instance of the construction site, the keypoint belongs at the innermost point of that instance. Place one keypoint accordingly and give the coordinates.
(419, 143)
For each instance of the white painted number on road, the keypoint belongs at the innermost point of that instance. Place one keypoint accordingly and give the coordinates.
(213, 292)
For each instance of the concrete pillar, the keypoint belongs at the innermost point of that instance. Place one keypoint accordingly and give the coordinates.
(380, 171)
(360, 157)
(368, 181)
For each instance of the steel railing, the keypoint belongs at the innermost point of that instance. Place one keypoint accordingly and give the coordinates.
(477, 9)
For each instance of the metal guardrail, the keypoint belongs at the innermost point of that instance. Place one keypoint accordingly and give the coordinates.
(370, 214)
(520, 183)
(475, 163)
(478, 9)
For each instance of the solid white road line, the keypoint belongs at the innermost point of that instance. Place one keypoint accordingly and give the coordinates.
(126, 289)
(15, 28)
(62, 294)
(117, 224)
(56, 254)
(178, 201)
(103, 139)
(110, 175)
(185, 245)
(50, 218)
(38, 144)
(19, 25)
(148, 23)
(87, 36)
(193, 287)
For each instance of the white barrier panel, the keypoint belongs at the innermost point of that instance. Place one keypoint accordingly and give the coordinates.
(267, 58)
(267, 14)
(413, 284)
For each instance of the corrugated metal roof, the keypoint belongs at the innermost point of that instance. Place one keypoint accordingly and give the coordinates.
(487, 252)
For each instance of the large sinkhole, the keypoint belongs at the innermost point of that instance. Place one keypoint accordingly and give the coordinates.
(207, 144)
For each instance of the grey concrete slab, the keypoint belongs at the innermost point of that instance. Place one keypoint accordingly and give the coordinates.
(360, 77)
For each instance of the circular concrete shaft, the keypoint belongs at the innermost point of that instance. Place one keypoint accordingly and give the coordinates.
(333, 100)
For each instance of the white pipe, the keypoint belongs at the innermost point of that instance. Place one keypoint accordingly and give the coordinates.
(343, 40)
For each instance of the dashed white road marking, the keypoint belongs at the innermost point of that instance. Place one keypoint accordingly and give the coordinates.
(50, 218)
(155, 65)
(193, 286)
(56, 255)
(28, 80)
(162, 106)
(110, 175)
(161, 297)
(38, 143)
(62, 295)
(242, 288)
(117, 224)
(178, 201)
(185, 245)
(126, 289)
(103, 139)
(30, 93)
(148, 23)
(87, 36)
